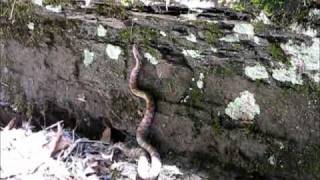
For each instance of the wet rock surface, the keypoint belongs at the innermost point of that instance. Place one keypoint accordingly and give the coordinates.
(68, 68)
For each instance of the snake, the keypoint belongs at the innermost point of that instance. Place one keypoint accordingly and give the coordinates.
(146, 170)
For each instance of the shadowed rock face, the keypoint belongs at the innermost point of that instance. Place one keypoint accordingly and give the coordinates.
(62, 69)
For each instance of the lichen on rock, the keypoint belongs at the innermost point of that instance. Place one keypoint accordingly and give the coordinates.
(287, 75)
(101, 31)
(192, 53)
(243, 107)
(113, 52)
(256, 72)
(88, 57)
(305, 59)
(151, 59)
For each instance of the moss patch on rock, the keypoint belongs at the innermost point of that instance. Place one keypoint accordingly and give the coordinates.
(277, 53)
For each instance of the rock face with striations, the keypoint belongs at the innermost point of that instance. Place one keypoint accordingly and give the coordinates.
(238, 95)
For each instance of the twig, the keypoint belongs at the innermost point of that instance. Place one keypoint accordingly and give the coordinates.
(12, 8)
(4, 84)
(53, 125)
(75, 144)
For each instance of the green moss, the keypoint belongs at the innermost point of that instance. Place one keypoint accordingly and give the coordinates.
(212, 33)
(30, 110)
(259, 27)
(125, 35)
(196, 97)
(239, 7)
(277, 53)
(112, 9)
(23, 13)
(222, 71)
(308, 89)
(216, 126)
(250, 129)
(269, 6)
(20, 103)
(312, 162)
(55, 2)
(153, 52)
(281, 12)
(143, 35)
(45, 27)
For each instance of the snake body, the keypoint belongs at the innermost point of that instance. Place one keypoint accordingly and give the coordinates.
(145, 171)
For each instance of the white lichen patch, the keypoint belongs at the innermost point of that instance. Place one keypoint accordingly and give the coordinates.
(262, 18)
(244, 28)
(194, 4)
(308, 31)
(126, 3)
(215, 50)
(305, 59)
(86, 4)
(314, 12)
(54, 8)
(185, 99)
(200, 82)
(101, 31)
(189, 16)
(192, 53)
(243, 107)
(230, 38)
(38, 2)
(169, 172)
(88, 57)
(191, 37)
(287, 75)
(147, 2)
(113, 52)
(151, 59)
(162, 33)
(272, 160)
(30, 26)
(242, 31)
(228, 3)
(256, 72)
(257, 40)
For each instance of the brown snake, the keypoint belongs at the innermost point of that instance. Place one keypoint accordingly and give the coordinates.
(145, 171)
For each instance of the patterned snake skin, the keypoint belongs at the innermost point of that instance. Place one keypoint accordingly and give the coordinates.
(145, 171)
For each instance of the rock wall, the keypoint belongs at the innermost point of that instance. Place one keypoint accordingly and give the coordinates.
(238, 95)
